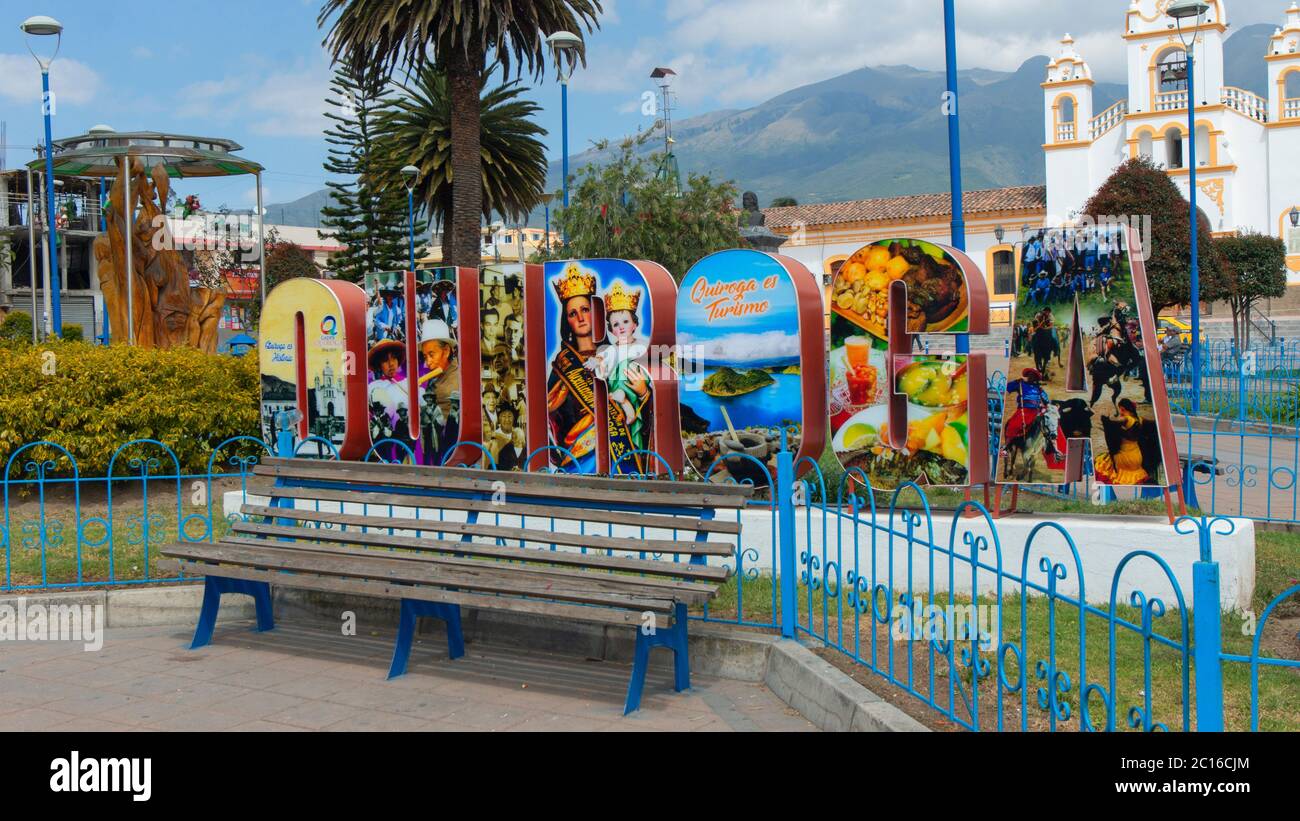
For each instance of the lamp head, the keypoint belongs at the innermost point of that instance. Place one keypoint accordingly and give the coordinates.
(40, 26)
(566, 46)
(409, 174)
(1295, 217)
(999, 232)
(1187, 9)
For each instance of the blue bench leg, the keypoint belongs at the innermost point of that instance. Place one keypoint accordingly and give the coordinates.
(674, 638)
(412, 610)
(213, 588)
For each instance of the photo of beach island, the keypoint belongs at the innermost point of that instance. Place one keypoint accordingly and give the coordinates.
(737, 326)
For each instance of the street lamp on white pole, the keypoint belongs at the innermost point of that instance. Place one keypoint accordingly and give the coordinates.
(565, 45)
(42, 26)
(1192, 11)
(409, 174)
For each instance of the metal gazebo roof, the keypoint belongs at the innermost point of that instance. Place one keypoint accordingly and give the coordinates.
(100, 153)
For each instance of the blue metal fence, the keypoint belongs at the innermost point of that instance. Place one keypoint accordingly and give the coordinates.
(847, 571)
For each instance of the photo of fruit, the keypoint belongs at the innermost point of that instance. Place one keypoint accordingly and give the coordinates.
(938, 298)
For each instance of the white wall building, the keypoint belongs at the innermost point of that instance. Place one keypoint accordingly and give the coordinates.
(1246, 145)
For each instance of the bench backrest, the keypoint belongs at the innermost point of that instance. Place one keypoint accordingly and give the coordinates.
(612, 514)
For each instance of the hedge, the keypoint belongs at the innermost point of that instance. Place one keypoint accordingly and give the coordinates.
(92, 399)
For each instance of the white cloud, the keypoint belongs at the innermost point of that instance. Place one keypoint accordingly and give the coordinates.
(71, 81)
(740, 52)
(287, 103)
(142, 53)
(742, 347)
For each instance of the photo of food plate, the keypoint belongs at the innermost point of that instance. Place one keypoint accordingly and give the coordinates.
(938, 297)
(935, 453)
(934, 382)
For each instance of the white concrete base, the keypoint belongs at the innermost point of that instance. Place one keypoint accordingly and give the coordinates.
(1101, 543)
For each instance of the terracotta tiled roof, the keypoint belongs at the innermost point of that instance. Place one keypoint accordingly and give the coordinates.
(885, 209)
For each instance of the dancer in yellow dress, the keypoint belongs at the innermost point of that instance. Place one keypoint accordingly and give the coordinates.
(1132, 454)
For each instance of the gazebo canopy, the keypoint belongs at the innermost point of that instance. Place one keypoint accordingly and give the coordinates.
(99, 154)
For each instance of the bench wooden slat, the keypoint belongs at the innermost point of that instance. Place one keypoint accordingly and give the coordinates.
(544, 478)
(385, 590)
(411, 500)
(415, 476)
(605, 581)
(592, 541)
(437, 574)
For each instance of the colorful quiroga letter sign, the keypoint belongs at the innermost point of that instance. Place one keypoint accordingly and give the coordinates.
(1085, 366)
(608, 405)
(311, 355)
(901, 417)
(752, 361)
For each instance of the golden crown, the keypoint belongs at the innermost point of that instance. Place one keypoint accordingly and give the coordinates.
(574, 282)
(621, 299)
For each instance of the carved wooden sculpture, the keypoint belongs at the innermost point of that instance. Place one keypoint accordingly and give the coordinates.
(167, 311)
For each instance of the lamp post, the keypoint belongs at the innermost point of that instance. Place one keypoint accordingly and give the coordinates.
(1192, 10)
(409, 174)
(42, 26)
(1295, 217)
(565, 45)
(546, 204)
(958, 229)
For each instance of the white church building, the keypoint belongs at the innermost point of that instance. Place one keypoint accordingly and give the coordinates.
(1247, 146)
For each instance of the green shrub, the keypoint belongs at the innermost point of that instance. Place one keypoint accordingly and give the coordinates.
(17, 326)
(72, 333)
(91, 399)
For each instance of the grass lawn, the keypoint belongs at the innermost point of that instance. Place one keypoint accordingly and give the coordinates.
(1277, 568)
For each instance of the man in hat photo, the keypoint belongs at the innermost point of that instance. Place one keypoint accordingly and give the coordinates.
(439, 390)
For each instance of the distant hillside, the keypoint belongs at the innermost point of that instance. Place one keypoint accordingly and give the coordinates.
(876, 132)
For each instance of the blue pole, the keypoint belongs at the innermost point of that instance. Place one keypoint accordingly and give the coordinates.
(410, 221)
(1206, 618)
(958, 229)
(547, 206)
(56, 307)
(785, 533)
(1196, 268)
(564, 144)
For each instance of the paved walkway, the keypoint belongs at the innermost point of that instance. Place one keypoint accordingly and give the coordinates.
(305, 677)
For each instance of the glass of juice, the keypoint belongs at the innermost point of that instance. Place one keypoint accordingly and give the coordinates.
(858, 350)
(862, 385)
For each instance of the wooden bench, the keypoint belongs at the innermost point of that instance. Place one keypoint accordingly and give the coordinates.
(438, 539)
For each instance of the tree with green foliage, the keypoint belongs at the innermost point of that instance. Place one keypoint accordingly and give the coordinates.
(1139, 187)
(369, 211)
(1257, 263)
(783, 202)
(414, 128)
(461, 37)
(282, 260)
(623, 209)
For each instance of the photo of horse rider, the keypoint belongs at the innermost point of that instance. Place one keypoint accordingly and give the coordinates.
(1085, 269)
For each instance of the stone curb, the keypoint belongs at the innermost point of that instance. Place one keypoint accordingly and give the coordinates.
(826, 696)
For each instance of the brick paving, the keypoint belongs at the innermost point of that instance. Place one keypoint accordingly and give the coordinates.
(309, 677)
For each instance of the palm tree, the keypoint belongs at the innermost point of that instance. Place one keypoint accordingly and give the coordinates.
(457, 36)
(415, 128)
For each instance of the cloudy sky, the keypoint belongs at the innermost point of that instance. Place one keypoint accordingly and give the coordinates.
(254, 70)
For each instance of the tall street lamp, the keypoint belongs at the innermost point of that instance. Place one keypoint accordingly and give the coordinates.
(1193, 11)
(565, 45)
(546, 203)
(409, 174)
(42, 26)
(958, 229)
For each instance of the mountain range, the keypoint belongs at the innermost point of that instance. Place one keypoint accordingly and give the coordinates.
(877, 132)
